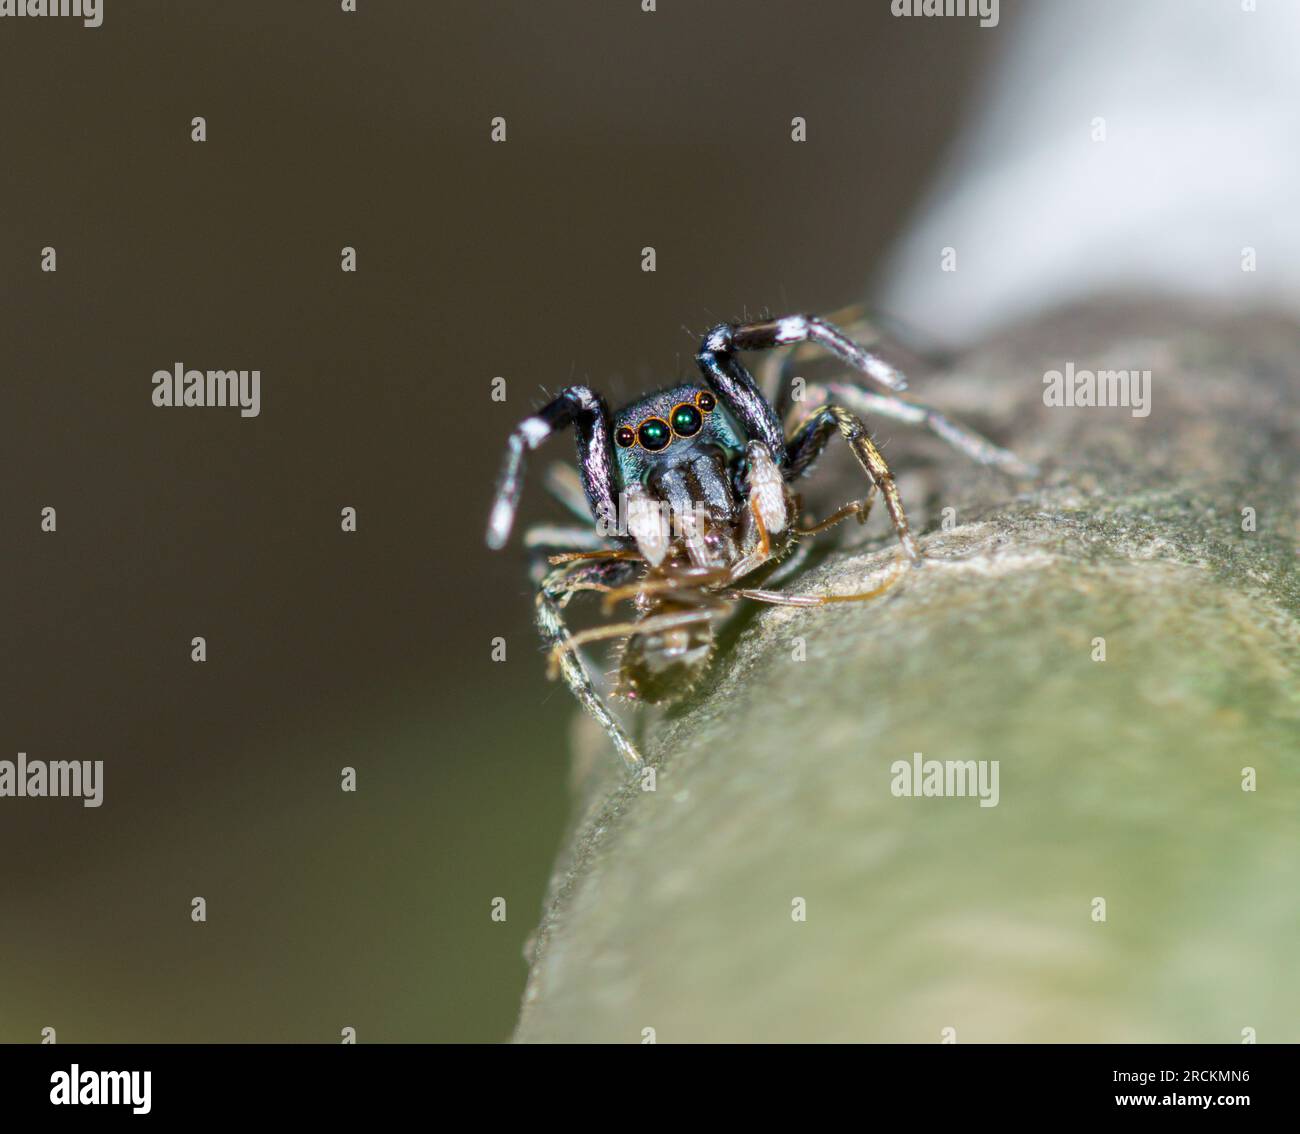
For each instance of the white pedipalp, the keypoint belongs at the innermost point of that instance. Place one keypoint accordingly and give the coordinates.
(766, 488)
(647, 524)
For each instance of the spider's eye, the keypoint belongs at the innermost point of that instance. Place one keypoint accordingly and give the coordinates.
(626, 437)
(686, 420)
(705, 401)
(654, 434)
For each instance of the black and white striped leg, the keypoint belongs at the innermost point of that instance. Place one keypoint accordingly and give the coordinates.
(736, 387)
(579, 407)
(733, 383)
(810, 439)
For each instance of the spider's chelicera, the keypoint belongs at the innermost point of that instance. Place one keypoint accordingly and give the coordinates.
(690, 491)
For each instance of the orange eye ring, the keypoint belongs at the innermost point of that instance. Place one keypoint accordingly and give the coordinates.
(706, 401)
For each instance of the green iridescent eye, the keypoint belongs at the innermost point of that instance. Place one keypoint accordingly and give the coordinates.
(686, 420)
(654, 434)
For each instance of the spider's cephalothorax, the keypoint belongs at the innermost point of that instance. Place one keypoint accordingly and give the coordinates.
(690, 492)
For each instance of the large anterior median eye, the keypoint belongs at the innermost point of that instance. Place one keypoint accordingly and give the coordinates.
(686, 420)
(654, 434)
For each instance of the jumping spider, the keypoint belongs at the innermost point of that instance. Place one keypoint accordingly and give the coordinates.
(690, 491)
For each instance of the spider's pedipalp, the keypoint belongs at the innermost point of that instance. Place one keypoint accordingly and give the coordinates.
(767, 491)
(647, 524)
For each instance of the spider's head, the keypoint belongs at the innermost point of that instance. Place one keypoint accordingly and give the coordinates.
(677, 452)
(670, 428)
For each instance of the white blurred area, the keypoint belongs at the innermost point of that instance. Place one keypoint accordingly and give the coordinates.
(1201, 159)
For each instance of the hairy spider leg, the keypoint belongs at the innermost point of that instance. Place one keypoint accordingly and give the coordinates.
(810, 438)
(553, 537)
(978, 448)
(737, 390)
(862, 401)
(734, 385)
(579, 407)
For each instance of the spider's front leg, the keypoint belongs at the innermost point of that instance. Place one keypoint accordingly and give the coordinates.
(738, 390)
(585, 411)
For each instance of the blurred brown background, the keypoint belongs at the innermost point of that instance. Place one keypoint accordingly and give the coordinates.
(327, 129)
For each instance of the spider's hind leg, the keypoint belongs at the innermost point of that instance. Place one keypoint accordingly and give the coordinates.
(978, 448)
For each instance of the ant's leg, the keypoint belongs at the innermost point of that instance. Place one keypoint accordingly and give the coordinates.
(860, 508)
(810, 439)
(792, 564)
(553, 595)
(781, 598)
(584, 410)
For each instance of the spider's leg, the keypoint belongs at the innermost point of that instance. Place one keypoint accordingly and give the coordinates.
(869, 328)
(862, 328)
(738, 391)
(865, 402)
(561, 537)
(717, 358)
(563, 482)
(810, 439)
(584, 410)
(776, 372)
(555, 591)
